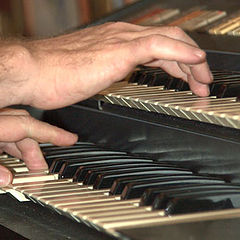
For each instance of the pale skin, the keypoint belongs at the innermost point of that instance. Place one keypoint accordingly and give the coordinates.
(56, 72)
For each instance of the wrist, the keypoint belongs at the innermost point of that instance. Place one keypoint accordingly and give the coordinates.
(17, 67)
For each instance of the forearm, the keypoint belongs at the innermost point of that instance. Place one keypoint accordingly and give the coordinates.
(16, 70)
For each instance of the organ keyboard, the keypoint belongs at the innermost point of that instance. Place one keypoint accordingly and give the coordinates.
(113, 191)
(172, 97)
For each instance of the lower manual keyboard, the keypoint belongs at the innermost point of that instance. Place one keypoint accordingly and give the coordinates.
(126, 191)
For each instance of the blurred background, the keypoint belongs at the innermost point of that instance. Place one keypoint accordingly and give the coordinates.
(44, 18)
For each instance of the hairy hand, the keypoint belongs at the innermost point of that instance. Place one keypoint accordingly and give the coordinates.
(72, 67)
(19, 137)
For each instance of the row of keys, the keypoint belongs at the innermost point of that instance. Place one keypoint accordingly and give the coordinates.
(227, 80)
(119, 190)
(151, 89)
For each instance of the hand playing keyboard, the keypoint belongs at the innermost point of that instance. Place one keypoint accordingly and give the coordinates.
(60, 71)
(63, 70)
(19, 137)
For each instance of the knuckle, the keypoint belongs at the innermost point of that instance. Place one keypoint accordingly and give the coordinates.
(19, 54)
(177, 31)
(151, 42)
(27, 121)
(118, 25)
(107, 24)
(109, 28)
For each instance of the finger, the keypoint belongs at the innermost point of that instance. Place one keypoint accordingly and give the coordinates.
(150, 48)
(200, 72)
(200, 75)
(171, 32)
(175, 33)
(49, 133)
(182, 71)
(184, 68)
(5, 176)
(179, 34)
(178, 51)
(170, 67)
(12, 149)
(16, 128)
(12, 111)
(32, 154)
(198, 88)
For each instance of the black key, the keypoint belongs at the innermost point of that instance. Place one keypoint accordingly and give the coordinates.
(46, 147)
(69, 169)
(218, 200)
(143, 79)
(157, 77)
(135, 77)
(69, 150)
(217, 88)
(106, 180)
(229, 90)
(226, 78)
(223, 74)
(214, 88)
(173, 83)
(160, 79)
(182, 86)
(57, 164)
(83, 171)
(119, 184)
(150, 79)
(164, 198)
(150, 194)
(139, 76)
(93, 152)
(92, 175)
(135, 190)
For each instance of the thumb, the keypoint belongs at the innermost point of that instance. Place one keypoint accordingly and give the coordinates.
(5, 176)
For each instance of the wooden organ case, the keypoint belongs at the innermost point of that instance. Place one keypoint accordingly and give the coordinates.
(204, 139)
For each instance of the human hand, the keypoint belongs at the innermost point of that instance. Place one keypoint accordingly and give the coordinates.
(19, 137)
(63, 70)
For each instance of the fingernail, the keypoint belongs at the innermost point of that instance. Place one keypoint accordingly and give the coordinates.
(5, 178)
(72, 138)
(200, 53)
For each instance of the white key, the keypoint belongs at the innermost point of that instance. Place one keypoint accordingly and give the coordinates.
(24, 178)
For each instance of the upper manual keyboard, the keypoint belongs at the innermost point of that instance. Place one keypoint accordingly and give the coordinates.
(153, 90)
